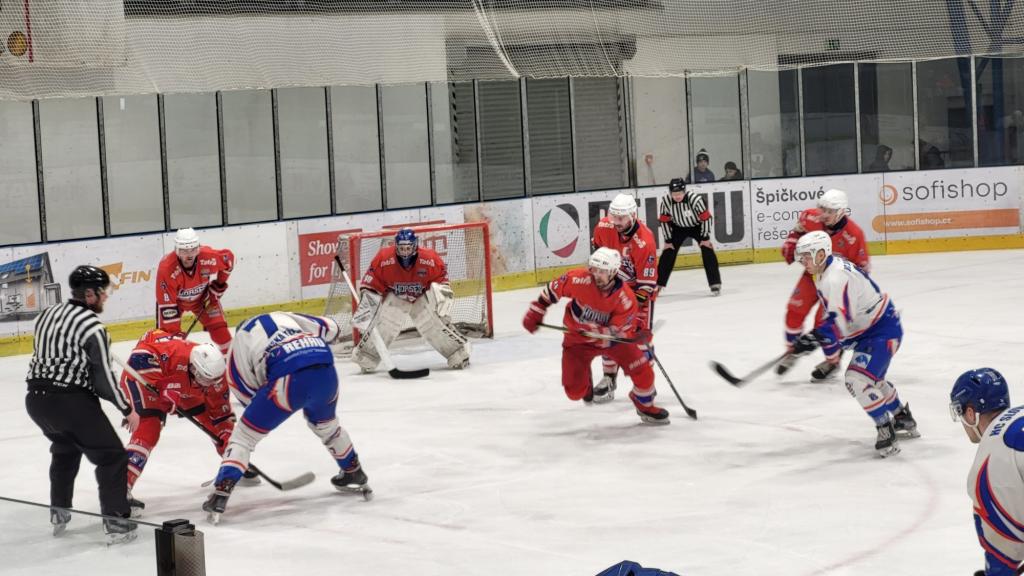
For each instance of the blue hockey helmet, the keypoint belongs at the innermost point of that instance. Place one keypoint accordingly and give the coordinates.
(983, 389)
(406, 245)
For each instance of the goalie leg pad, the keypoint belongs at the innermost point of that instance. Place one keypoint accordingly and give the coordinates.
(440, 333)
(389, 320)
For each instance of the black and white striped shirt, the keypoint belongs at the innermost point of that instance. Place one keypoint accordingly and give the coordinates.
(71, 348)
(691, 212)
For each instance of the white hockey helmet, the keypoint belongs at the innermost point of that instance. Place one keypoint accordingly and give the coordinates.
(622, 205)
(207, 364)
(812, 242)
(186, 239)
(605, 259)
(834, 199)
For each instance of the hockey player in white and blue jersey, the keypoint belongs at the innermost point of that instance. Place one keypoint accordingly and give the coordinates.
(280, 363)
(857, 315)
(980, 400)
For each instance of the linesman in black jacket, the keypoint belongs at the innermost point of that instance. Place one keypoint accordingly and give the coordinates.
(683, 216)
(68, 374)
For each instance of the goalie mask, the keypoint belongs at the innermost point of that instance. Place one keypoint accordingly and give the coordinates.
(406, 245)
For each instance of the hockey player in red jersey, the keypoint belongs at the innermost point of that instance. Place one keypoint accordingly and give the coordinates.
(407, 281)
(623, 232)
(601, 304)
(183, 377)
(194, 278)
(847, 241)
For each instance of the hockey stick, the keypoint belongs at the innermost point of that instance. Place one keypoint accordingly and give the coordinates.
(597, 336)
(195, 319)
(378, 342)
(297, 482)
(738, 382)
(689, 411)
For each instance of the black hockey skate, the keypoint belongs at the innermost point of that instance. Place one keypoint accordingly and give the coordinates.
(217, 502)
(137, 506)
(59, 519)
(785, 364)
(605, 390)
(886, 444)
(119, 531)
(716, 289)
(353, 481)
(825, 371)
(250, 478)
(903, 422)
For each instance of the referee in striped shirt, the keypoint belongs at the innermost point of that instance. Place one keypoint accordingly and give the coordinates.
(685, 216)
(68, 374)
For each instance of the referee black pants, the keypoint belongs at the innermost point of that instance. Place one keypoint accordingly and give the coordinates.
(75, 425)
(668, 256)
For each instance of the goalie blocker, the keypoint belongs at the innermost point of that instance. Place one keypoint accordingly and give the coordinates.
(405, 281)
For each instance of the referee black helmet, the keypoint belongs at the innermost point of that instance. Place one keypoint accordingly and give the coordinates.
(85, 277)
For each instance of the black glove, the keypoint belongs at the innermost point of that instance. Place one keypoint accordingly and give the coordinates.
(807, 342)
(979, 573)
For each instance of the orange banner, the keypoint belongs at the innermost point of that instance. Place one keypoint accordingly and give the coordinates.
(920, 221)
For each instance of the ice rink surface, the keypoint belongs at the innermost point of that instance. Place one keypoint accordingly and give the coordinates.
(493, 471)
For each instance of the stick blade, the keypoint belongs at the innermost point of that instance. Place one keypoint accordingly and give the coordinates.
(690, 412)
(298, 481)
(408, 374)
(726, 374)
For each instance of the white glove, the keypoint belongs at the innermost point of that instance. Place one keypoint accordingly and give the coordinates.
(442, 298)
(369, 303)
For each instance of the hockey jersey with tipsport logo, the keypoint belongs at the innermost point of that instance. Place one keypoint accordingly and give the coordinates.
(386, 274)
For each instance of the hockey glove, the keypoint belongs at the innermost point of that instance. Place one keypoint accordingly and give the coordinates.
(217, 289)
(534, 316)
(643, 337)
(807, 342)
(789, 248)
(666, 218)
(173, 396)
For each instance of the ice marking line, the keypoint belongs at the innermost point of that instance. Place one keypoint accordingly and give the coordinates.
(861, 555)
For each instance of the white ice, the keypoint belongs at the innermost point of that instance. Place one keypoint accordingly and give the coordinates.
(493, 471)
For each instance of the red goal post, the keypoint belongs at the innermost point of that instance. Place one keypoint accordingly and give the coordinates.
(466, 251)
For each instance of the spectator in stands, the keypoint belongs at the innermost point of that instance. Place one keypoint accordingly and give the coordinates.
(732, 172)
(881, 162)
(931, 157)
(701, 172)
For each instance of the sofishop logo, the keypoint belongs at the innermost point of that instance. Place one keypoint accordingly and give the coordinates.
(940, 190)
(559, 229)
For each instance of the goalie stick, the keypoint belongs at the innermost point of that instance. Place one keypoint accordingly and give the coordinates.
(739, 382)
(292, 484)
(378, 342)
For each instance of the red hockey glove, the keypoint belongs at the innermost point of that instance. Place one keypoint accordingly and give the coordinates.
(534, 316)
(666, 218)
(218, 288)
(643, 337)
(223, 438)
(789, 248)
(173, 396)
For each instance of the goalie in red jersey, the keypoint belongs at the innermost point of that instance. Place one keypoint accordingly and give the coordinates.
(600, 304)
(407, 281)
(184, 378)
(847, 241)
(194, 278)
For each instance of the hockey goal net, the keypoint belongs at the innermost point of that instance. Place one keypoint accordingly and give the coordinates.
(466, 251)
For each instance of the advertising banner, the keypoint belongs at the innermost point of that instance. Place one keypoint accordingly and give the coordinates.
(776, 204)
(945, 203)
